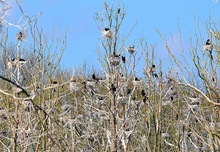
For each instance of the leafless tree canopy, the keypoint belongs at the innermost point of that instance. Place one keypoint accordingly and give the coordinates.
(119, 108)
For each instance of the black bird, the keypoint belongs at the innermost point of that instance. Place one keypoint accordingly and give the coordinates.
(177, 116)
(116, 55)
(22, 60)
(155, 75)
(143, 93)
(107, 33)
(213, 79)
(152, 69)
(123, 59)
(171, 98)
(153, 66)
(93, 76)
(128, 91)
(100, 98)
(54, 82)
(113, 88)
(92, 93)
(107, 29)
(136, 79)
(208, 42)
(145, 99)
(119, 9)
(208, 47)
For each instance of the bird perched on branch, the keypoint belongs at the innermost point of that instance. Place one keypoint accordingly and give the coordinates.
(208, 47)
(119, 9)
(123, 59)
(107, 33)
(113, 88)
(21, 61)
(93, 76)
(96, 78)
(143, 93)
(152, 69)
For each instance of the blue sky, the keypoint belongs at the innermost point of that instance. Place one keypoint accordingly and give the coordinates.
(77, 18)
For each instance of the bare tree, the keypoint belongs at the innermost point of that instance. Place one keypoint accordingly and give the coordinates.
(119, 107)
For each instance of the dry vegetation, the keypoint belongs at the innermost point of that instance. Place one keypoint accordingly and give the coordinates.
(44, 108)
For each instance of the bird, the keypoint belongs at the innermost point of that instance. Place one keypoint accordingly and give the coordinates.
(113, 88)
(143, 93)
(117, 55)
(96, 78)
(107, 33)
(100, 98)
(128, 91)
(131, 49)
(119, 9)
(54, 82)
(84, 84)
(152, 69)
(136, 79)
(21, 61)
(171, 98)
(208, 47)
(93, 76)
(155, 75)
(123, 59)
(145, 99)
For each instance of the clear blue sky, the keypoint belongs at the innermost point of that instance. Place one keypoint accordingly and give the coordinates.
(77, 18)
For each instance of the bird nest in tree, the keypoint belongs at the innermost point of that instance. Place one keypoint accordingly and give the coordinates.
(17, 62)
(21, 35)
(74, 85)
(114, 60)
(131, 49)
(208, 46)
(107, 33)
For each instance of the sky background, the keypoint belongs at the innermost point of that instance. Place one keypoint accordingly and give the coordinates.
(77, 18)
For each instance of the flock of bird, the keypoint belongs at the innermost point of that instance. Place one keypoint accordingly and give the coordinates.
(114, 60)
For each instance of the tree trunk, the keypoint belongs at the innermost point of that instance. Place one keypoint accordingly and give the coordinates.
(113, 146)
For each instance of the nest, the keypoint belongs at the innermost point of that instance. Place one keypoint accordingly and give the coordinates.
(107, 33)
(114, 60)
(131, 49)
(18, 62)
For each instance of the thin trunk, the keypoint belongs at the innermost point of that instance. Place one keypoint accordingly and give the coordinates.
(113, 145)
